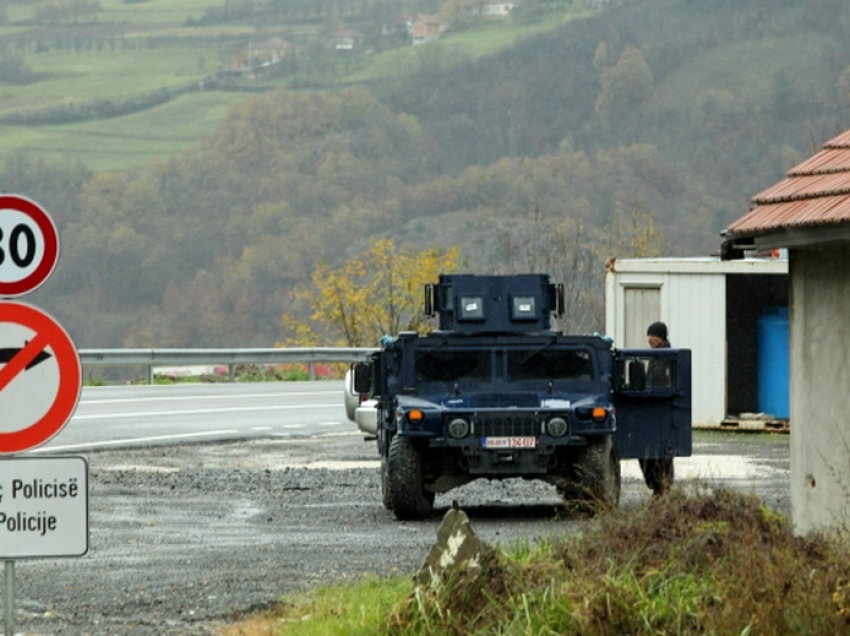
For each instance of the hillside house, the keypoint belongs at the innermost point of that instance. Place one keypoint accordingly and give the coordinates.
(497, 9)
(258, 57)
(402, 24)
(344, 39)
(426, 28)
(808, 213)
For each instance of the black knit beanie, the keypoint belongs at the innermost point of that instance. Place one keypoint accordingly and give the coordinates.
(658, 329)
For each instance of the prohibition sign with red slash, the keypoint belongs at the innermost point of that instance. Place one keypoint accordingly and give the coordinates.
(40, 382)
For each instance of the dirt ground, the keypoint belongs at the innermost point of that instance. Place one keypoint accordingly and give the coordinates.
(184, 539)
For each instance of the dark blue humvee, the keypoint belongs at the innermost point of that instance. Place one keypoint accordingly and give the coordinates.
(494, 393)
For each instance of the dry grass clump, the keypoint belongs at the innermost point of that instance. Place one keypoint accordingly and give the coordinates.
(713, 563)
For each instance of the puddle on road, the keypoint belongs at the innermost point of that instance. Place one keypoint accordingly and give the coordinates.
(141, 468)
(711, 467)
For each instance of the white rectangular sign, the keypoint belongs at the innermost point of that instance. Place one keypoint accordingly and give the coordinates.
(44, 507)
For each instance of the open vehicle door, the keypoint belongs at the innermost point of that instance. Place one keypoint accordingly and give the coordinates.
(652, 395)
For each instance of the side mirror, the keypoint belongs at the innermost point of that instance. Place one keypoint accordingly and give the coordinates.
(362, 372)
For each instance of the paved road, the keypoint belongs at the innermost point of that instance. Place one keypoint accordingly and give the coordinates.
(126, 417)
(136, 416)
(145, 416)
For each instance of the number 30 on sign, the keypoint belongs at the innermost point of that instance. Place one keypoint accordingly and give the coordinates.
(29, 245)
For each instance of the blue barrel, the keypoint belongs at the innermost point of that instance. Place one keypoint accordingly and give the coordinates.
(772, 345)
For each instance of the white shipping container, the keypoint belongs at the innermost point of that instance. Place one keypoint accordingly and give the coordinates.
(710, 307)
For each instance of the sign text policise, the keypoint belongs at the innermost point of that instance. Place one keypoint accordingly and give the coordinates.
(41, 522)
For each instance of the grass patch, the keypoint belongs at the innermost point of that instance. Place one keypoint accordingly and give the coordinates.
(154, 11)
(134, 140)
(341, 610)
(701, 563)
(106, 74)
(456, 47)
(120, 11)
(167, 380)
(254, 373)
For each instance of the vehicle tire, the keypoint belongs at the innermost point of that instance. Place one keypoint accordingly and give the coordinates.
(598, 471)
(407, 498)
(658, 474)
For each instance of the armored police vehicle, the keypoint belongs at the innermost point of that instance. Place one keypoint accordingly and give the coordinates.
(495, 393)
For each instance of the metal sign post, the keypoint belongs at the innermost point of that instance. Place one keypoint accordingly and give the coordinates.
(44, 500)
(9, 605)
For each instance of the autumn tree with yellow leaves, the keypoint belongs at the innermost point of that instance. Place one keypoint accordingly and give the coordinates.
(380, 292)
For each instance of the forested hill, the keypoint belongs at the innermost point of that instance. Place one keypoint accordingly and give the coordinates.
(680, 109)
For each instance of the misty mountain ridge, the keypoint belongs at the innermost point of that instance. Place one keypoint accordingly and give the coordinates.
(679, 110)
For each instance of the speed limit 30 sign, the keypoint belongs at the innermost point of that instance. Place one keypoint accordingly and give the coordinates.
(29, 245)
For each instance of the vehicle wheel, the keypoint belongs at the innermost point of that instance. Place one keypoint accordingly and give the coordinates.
(658, 474)
(407, 497)
(598, 470)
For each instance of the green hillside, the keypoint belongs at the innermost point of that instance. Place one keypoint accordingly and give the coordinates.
(161, 49)
(551, 141)
(121, 142)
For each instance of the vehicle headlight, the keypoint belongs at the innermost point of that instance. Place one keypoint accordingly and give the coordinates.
(459, 428)
(557, 427)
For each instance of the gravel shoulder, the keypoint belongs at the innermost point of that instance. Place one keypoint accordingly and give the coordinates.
(185, 539)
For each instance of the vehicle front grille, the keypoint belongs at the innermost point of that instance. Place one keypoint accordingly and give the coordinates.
(510, 424)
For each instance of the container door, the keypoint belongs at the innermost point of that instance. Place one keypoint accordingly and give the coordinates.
(642, 306)
(652, 394)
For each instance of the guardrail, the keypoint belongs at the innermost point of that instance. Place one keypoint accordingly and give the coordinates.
(152, 358)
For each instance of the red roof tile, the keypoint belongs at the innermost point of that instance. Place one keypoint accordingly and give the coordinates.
(816, 192)
(842, 141)
(825, 162)
(805, 187)
(806, 212)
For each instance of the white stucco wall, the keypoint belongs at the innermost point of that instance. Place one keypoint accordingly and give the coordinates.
(819, 331)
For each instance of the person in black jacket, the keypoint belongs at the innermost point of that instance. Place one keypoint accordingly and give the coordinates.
(658, 473)
(658, 373)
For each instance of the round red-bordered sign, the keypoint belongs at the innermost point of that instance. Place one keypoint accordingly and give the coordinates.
(29, 245)
(39, 365)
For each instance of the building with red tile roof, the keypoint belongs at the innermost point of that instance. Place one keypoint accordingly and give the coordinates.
(810, 206)
(808, 213)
